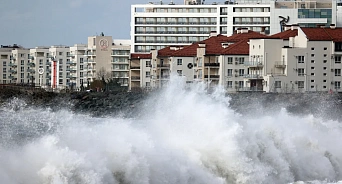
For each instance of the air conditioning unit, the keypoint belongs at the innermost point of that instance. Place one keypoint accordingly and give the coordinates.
(236, 70)
(332, 70)
(296, 82)
(236, 82)
(236, 62)
(236, 75)
(332, 82)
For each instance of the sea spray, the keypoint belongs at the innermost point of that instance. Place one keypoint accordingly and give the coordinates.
(184, 136)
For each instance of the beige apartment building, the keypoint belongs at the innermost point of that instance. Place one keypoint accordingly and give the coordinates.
(63, 67)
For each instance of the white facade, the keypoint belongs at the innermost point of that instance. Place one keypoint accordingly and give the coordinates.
(155, 26)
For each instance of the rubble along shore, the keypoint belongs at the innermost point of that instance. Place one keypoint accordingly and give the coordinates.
(324, 105)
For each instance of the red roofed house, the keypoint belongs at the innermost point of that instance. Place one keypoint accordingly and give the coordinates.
(200, 61)
(140, 71)
(300, 60)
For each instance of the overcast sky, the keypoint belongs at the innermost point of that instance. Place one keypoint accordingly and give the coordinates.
(33, 23)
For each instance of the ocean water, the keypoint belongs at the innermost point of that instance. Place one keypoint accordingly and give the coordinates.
(182, 135)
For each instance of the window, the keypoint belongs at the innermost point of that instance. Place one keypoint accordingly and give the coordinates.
(324, 68)
(22, 69)
(240, 84)
(241, 60)
(300, 59)
(312, 80)
(312, 87)
(200, 62)
(324, 74)
(60, 61)
(337, 84)
(179, 61)
(81, 60)
(312, 48)
(312, 74)
(241, 72)
(148, 63)
(277, 84)
(22, 55)
(4, 63)
(337, 72)
(40, 62)
(230, 60)
(230, 72)
(312, 55)
(148, 84)
(60, 53)
(324, 80)
(312, 61)
(60, 81)
(337, 59)
(4, 76)
(324, 61)
(4, 70)
(180, 72)
(22, 75)
(324, 87)
(230, 84)
(300, 84)
(312, 68)
(325, 48)
(81, 67)
(324, 55)
(148, 74)
(22, 62)
(300, 71)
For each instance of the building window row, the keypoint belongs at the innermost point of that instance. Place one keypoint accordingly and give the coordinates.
(181, 20)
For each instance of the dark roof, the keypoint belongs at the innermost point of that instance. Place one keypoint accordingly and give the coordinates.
(238, 48)
(141, 56)
(323, 34)
(286, 34)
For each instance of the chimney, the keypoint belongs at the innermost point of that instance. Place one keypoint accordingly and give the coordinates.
(225, 45)
(201, 45)
(332, 26)
(294, 27)
(172, 47)
(212, 33)
(287, 27)
(244, 30)
(238, 31)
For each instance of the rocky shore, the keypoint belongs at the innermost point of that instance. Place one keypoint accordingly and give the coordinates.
(127, 103)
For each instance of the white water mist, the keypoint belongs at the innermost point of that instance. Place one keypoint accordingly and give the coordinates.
(185, 136)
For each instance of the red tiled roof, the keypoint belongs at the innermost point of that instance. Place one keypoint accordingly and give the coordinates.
(168, 51)
(239, 48)
(286, 34)
(141, 56)
(323, 34)
(213, 45)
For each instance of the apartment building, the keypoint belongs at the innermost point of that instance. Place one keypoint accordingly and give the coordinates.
(294, 61)
(301, 59)
(60, 67)
(158, 25)
(14, 61)
(120, 61)
(140, 71)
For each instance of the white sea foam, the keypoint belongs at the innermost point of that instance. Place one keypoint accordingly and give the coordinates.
(186, 136)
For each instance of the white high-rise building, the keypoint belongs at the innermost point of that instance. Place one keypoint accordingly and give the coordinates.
(157, 25)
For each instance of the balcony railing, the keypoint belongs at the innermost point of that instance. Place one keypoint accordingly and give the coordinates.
(212, 76)
(212, 64)
(135, 67)
(172, 32)
(237, 22)
(31, 64)
(12, 64)
(280, 65)
(13, 71)
(135, 77)
(253, 64)
(164, 66)
(31, 70)
(70, 55)
(253, 76)
(251, 89)
(31, 57)
(178, 23)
